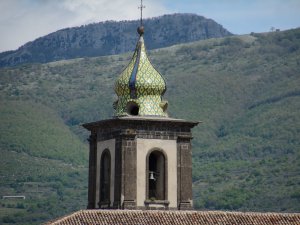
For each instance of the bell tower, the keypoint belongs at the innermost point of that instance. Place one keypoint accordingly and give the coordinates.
(140, 158)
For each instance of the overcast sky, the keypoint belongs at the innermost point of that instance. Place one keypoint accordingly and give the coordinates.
(25, 20)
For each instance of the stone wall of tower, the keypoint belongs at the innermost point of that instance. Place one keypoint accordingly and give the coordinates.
(126, 134)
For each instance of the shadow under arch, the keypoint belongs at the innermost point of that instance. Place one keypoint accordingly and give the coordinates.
(105, 173)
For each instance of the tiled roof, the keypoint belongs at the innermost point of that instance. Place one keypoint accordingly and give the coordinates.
(128, 217)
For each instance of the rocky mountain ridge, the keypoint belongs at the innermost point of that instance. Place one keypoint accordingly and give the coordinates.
(111, 37)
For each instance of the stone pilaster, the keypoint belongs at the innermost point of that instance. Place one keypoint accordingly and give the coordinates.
(118, 173)
(129, 168)
(92, 171)
(185, 192)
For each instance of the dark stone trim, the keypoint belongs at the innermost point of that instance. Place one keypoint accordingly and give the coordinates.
(165, 121)
(118, 173)
(178, 173)
(129, 163)
(117, 205)
(129, 204)
(184, 137)
(185, 206)
(104, 204)
(184, 169)
(92, 171)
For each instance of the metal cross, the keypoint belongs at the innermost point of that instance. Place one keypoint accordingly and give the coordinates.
(141, 8)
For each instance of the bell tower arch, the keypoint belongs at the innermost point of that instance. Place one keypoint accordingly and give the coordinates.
(156, 179)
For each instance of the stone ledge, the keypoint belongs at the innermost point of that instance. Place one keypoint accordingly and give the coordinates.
(157, 204)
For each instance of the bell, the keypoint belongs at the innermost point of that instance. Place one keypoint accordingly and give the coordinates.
(152, 176)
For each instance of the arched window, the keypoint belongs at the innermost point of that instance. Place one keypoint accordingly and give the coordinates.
(105, 168)
(156, 178)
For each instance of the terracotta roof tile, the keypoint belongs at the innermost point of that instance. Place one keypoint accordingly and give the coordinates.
(128, 217)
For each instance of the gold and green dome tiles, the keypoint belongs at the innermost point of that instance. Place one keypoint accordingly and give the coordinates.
(140, 87)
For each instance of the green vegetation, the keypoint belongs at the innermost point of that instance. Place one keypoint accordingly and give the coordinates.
(244, 89)
(38, 131)
(42, 160)
(52, 188)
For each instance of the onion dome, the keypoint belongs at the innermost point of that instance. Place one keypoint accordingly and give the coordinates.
(140, 86)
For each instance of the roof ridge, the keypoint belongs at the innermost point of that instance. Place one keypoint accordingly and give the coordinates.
(181, 211)
(190, 211)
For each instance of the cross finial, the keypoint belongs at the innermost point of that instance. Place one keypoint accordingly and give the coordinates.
(141, 8)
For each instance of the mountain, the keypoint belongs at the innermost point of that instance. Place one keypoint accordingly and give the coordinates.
(110, 38)
(246, 151)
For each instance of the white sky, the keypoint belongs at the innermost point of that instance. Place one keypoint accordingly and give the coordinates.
(25, 20)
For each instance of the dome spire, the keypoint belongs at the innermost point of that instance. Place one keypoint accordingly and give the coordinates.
(141, 8)
(140, 29)
(140, 87)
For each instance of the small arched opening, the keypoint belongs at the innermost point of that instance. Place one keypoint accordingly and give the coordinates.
(132, 108)
(156, 178)
(105, 170)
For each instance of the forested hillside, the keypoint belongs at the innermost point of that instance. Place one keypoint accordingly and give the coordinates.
(246, 152)
(111, 37)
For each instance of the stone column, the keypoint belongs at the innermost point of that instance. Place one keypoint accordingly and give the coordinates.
(118, 172)
(92, 171)
(185, 192)
(129, 163)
